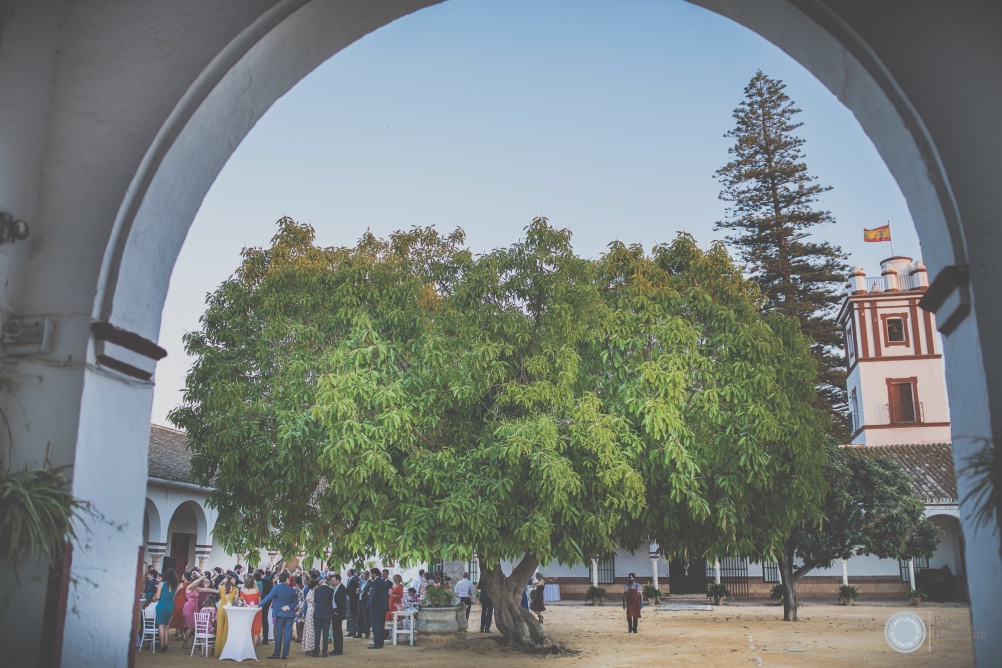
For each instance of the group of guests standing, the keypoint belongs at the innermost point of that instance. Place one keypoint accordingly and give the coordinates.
(178, 599)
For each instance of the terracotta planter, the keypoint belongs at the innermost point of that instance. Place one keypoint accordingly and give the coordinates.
(917, 601)
(440, 622)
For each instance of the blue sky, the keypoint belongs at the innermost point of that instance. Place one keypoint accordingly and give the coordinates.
(606, 117)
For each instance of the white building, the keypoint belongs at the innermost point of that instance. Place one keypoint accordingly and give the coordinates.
(894, 358)
(178, 524)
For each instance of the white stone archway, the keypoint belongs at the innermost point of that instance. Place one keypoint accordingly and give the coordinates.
(125, 112)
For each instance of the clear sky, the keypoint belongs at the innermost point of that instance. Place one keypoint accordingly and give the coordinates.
(605, 116)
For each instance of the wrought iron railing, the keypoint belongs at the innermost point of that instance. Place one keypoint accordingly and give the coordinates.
(903, 282)
(900, 413)
(854, 423)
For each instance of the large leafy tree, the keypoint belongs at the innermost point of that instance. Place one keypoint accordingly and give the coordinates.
(718, 396)
(773, 212)
(408, 398)
(870, 508)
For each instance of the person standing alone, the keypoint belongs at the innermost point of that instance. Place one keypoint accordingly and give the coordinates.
(633, 596)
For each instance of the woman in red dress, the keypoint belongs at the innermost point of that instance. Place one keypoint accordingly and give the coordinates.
(396, 596)
(177, 619)
(252, 595)
(633, 596)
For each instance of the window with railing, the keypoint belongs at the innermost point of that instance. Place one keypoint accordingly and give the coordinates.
(920, 563)
(770, 571)
(606, 571)
(473, 568)
(854, 423)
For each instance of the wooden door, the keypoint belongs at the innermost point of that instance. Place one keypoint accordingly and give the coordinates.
(179, 547)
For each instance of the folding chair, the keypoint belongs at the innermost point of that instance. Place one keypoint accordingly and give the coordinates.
(202, 635)
(150, 634)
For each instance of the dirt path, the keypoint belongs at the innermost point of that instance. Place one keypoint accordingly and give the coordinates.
(731, 635)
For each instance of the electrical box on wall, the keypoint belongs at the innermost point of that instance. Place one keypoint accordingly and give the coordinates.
(26, 337)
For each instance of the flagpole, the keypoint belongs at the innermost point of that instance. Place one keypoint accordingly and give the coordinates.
(893, 254)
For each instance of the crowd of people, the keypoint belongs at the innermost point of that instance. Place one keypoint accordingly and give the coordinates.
(309, 607)
(303, 606)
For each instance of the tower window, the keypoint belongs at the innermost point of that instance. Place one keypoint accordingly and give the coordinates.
(896, 330)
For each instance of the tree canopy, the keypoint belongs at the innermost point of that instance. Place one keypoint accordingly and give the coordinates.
(406, 397)
(871, 508)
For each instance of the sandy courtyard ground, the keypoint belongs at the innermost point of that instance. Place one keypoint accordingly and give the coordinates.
(731, 635)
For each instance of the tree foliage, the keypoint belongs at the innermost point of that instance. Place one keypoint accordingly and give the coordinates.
(870, 508)
(406, 397)
(773, 212)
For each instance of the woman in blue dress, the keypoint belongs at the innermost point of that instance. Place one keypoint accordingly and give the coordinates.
(165, 604)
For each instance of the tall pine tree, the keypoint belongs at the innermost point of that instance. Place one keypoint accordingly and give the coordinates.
(774, 206)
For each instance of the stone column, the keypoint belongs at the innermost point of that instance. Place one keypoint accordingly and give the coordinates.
(202, 553)
(716, 571)
(594, 572)
(273, 557)
(156, 550)
(911, 573)
(845, 572)
(654, 566)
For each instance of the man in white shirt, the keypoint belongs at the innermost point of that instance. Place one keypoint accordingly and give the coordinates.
(464, 592)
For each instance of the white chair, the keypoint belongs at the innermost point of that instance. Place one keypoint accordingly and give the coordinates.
(150, 634)
(202, 635)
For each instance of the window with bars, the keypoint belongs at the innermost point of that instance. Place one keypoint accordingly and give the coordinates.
(473, 568)
(770, 571)
(606, 571)
(920, 563)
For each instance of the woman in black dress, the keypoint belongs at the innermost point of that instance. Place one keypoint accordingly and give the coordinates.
(536, 597)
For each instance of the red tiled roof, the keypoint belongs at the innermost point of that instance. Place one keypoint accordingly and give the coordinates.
(929, 465)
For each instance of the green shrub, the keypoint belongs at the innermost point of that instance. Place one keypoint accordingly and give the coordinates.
(717, 592)
(595, 595)
(652, 593)
(847, 594)
(778, 591)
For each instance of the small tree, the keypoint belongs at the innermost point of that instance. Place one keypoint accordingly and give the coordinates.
(870, 508)
(772, 215)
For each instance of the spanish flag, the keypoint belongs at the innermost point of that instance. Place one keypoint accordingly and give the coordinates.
(882, 233)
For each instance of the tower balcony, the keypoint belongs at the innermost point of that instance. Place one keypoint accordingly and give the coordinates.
(903, 414)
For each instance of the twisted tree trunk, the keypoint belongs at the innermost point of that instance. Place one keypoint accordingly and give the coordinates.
(518, 625)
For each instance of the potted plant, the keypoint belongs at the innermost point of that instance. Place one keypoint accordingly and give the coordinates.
(717, 591)
(846, 594)
(916, 596)
(439, 613)
(595, 595)
(652, 593)
(36, 516)
(778, 591)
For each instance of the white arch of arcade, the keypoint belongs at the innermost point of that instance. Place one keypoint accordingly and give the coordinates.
(185, 537)
(169, 95)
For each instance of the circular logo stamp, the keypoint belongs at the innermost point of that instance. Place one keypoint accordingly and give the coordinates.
(904, 632)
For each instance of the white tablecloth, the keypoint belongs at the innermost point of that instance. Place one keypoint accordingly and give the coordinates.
(551, 592)
(239, 641)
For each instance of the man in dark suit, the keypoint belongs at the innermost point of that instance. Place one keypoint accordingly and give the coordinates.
(379, 604)
(267, 582)
(285, 599)
(340, 610)
(363, 619)
(323, 614)
(352, 592)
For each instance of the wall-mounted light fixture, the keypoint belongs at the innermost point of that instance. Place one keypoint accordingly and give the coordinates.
(12, 229)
